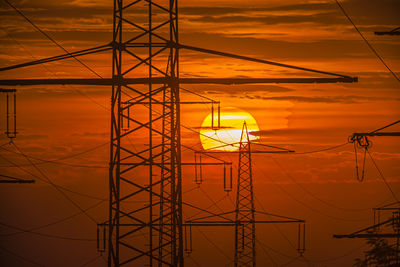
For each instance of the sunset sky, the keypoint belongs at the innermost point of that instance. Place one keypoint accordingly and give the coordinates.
(61, 122)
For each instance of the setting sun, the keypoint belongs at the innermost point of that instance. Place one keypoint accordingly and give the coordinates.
(231, 123)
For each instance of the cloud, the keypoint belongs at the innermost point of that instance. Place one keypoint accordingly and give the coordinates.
(323, 18)
(350, 99)
(32, 136)
(386, 10)
(91, 134)
(234, 89)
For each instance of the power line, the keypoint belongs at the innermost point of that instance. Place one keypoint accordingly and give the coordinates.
(383, 177)
(384, 127)
(337, 257)
(51, 39)
(55, 186)
(55, 222)
(276, 251)
(53, 73)
(311, 194)
(214, 204)
(276, 225)
(320, 150)
(266, 252)
(91, 261)
(47, 235)
(366, 41)
(306, 205)
(213, 243)
(290, 261)
(58, 161)
(59, 186)
(194, 261)
(23, 258)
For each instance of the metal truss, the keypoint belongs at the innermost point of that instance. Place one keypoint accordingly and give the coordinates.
(245, 233)
(148, 233)
(244, 214)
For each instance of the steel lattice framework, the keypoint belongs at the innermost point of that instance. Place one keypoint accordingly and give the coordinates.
(145, 44)
(245, 237)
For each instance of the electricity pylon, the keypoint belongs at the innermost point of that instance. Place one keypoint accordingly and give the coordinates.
(145, 105)
(375, 231)
(388, 228)
(160, 219)
(244, 214)
(245, 229)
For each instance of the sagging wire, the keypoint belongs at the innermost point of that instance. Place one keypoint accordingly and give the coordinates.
(364, 143)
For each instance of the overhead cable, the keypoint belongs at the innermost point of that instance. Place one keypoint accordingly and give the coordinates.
(51, 39)
(366, 41)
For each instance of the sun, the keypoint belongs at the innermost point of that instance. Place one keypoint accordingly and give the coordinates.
(231, 123)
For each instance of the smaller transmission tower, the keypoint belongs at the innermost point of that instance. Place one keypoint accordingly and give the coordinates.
(389, 228)
(243, 218)
(245, 235)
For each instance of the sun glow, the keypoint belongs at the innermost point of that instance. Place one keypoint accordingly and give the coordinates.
(231, 123)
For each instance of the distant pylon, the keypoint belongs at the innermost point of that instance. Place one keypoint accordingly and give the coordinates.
(245, 237)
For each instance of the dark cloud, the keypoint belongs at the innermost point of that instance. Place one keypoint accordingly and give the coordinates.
(323, 18)
(212, 128)
(32, 136)
(234, 89)
(386, 10)
(214, 11)
(351, 99)
(91, 134)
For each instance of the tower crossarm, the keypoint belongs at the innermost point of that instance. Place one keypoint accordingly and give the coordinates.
(168, 80)
(369, 231)
(83, 52)
(268, 62)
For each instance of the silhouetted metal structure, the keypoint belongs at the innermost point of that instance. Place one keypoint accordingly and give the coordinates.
(389, 228)
(361, 140)
(244, 213)
(395, 31)
(6, 179)
(245, 229)
(11, 113)
(145, 105)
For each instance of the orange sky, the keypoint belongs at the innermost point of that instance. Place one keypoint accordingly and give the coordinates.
(58, 121)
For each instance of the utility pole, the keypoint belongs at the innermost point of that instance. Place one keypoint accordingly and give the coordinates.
(145, 106)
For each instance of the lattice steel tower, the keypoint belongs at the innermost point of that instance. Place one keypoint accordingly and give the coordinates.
(151, 172)
(245, 235)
